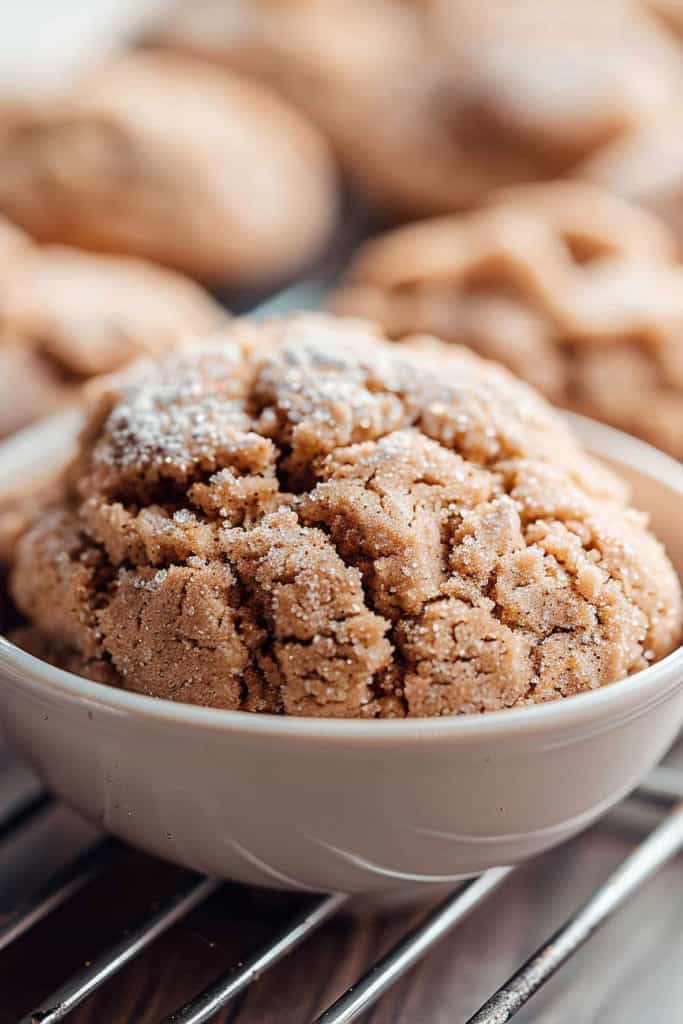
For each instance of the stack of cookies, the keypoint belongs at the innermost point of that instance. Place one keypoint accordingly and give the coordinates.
(214, 147)
(574, 289)
(148, 172)
(534, 126)
(430, 104)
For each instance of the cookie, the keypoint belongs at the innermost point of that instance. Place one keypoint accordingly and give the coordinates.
(646, 166)
(68, 316)
(19, 505)
(14, 243)
(671, 13)
(597, 69)
(431, 105)
(167, 158)
(574, 289)
(303, 518)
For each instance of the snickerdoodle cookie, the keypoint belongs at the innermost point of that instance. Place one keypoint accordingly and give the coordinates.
(68, 315)
(645, 165)
(168, 158)
(574, 289)
(430, 104)
(303, 518)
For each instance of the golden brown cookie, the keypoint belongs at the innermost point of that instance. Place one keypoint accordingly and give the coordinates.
(301, 518)
(572, 288)
(432, 104)
(68, 315)
(167, 158)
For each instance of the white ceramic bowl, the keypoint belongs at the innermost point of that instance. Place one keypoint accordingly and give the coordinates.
(382, 807)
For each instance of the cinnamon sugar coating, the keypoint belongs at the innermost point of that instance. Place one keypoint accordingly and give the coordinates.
(574, 289)
(302, 518)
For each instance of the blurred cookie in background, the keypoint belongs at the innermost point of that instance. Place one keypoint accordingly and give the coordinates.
(360, 70)
(645, 163)
(552, 79)
(168, 158)
(67, 315)
(574, 289)
(15, 244)
(432, 104)
(670, 11)
(19, 506)
(30, 386)
(646, 166)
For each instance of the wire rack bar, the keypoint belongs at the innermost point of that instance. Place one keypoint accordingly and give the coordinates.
(406, 953)
(230, 984)
(663, 783)
(56, 1007)
(59, 889)
(20, 813)
(660, 846)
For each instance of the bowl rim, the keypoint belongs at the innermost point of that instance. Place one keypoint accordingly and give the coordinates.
(623, 696)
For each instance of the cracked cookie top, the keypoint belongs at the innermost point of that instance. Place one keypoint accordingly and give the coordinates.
(300, 517)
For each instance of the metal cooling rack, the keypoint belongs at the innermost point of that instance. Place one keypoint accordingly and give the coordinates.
(661, 794)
